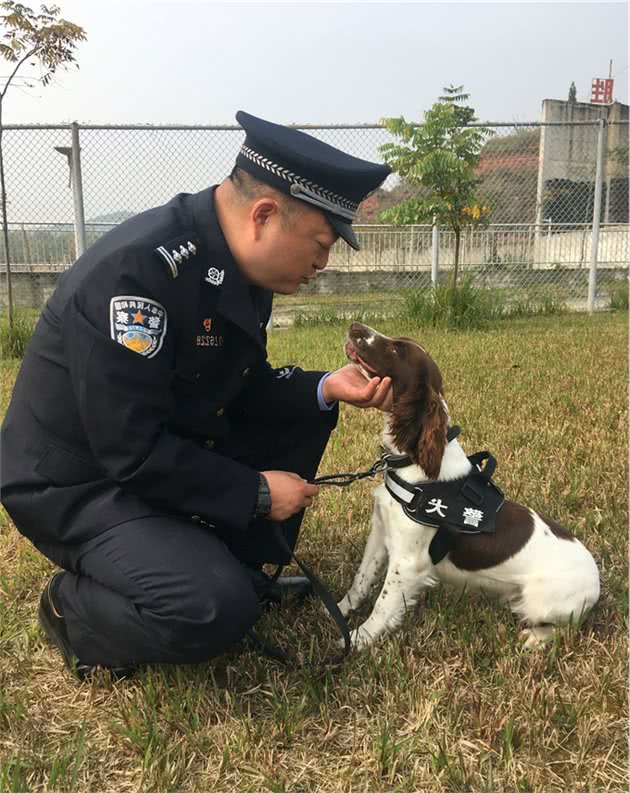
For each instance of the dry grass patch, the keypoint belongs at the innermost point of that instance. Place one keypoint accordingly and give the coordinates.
(449, 703)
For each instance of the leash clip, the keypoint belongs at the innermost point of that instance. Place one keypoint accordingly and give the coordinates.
(380, 465)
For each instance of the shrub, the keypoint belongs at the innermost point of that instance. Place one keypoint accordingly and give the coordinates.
(13, 341)
(619, 296)
(459, 307)
(541, 305)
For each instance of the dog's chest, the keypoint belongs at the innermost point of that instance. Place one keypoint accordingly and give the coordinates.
(402, 536)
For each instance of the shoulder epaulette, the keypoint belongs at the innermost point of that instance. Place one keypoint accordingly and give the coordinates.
(177, 251)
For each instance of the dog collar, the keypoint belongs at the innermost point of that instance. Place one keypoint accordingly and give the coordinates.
(403, 460)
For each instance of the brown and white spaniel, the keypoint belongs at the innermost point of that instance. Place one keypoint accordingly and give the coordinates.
(545, 574)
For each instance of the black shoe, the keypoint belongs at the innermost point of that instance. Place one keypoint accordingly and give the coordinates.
(272, 593)
(54, 626)
(287, 586)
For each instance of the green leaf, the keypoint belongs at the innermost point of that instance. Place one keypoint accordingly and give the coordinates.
(440, 157)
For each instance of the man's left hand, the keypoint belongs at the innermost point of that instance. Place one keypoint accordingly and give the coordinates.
(349, 385)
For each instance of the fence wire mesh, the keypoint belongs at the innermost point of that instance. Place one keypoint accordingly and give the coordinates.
(537, 184)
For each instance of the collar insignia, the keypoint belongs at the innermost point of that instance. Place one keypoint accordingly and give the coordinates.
(215, 277)
(177, 255)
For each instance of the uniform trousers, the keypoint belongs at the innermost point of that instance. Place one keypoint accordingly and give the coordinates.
(166, 589)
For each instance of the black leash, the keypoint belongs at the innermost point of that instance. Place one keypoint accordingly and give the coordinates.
(343, 480)
(324, 594)
(386, 460)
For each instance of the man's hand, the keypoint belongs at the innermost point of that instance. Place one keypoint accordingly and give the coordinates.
(349, 385)
(289, 493)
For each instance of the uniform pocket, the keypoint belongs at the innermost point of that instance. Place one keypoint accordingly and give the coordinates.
(63, 468)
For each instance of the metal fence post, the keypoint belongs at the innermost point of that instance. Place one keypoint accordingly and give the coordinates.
(77, 192)
(435, 252)
(597, 208)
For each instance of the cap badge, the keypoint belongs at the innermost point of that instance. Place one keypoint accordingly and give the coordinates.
(215, 277)
(207, 324)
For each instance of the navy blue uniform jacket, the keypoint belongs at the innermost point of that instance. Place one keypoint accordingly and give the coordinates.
(138, 365)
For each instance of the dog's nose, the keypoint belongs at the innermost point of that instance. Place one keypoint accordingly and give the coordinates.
(358, 329)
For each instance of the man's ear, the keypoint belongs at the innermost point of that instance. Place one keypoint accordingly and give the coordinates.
(261, 212)
(419, 428)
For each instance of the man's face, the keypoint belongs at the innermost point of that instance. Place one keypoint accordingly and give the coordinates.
(288, 251)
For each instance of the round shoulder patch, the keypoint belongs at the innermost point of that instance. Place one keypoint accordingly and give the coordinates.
(138, 323)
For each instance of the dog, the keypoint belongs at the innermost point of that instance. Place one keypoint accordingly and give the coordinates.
(545, 574)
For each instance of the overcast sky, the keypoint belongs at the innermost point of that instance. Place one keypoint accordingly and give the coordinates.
(325, 62)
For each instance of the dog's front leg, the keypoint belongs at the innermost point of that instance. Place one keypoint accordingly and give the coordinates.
(372, 564)
(405, 580)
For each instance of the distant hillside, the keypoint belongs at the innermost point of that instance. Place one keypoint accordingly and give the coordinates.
(113, 217)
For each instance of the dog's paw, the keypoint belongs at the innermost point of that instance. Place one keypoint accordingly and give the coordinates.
(359, 639)
(344, 606)
(536, 637)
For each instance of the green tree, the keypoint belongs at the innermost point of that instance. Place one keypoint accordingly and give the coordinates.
(30, 39)
(572, 94)
(439, 157)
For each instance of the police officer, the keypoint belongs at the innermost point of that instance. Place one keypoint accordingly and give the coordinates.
(149, 445)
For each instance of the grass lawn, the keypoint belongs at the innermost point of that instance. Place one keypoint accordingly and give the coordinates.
(451, 702)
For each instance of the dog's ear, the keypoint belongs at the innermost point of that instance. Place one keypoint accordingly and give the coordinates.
(432, 439)
(419, 428)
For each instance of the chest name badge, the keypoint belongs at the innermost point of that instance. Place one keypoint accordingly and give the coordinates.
(209, 341)
(138, 323)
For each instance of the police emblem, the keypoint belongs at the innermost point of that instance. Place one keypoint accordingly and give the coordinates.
(138, 323)
(207, 324)
(215, 277)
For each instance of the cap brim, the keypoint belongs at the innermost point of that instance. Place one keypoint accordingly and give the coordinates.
(345, 231)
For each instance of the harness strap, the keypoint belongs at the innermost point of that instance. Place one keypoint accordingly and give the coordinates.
(490, 467)
(452, 433)
(401, 490)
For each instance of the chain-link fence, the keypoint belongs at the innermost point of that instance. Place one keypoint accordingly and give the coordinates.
(554, 198)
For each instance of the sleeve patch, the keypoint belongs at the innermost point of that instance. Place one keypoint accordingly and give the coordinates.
(138, 323)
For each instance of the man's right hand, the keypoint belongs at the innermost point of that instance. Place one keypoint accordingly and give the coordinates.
(289, 493)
